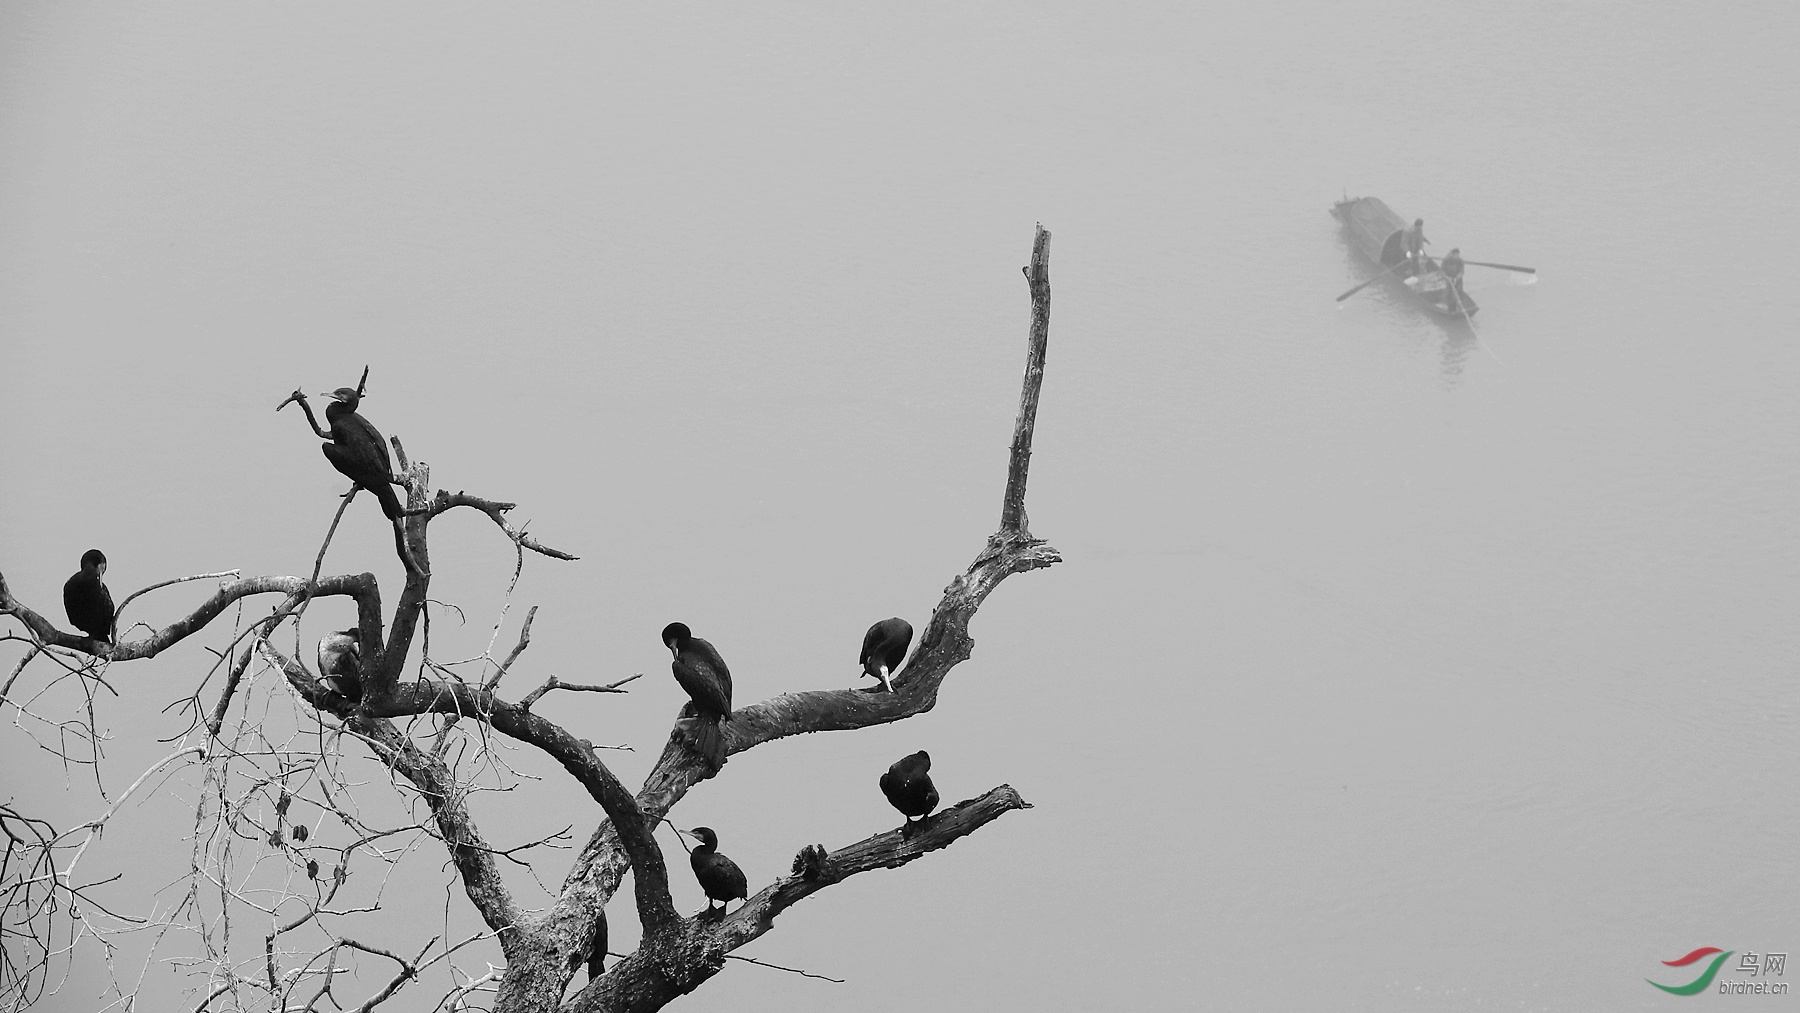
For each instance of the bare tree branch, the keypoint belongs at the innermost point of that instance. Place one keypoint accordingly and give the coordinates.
(1037, 276)
(177, 580)
(778, 967)
(944, 644)
(433, 778)
(524, 642)
(161, 640)
(495, 510)
(656, 974)
(554, 683)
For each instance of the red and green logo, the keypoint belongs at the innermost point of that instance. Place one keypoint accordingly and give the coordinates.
(1698, 984)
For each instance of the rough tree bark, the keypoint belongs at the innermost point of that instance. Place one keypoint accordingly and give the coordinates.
(543, 950)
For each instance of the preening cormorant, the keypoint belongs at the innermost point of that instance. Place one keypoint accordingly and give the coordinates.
(597, 948)
(719, 876)
(361, 455)
(907, 784)
(86, 599)
(340, 664)
(700, 670)
(884, 647)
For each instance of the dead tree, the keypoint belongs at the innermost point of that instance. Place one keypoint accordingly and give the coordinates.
(425, 730)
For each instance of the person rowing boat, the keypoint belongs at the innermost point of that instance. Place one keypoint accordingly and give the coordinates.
(1452, 266)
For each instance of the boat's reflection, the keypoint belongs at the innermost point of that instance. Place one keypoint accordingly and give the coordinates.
(1455, 336)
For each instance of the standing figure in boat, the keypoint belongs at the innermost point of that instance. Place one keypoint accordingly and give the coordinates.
(1415, 246)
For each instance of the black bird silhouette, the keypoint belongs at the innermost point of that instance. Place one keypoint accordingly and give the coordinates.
(597, 948)
(87, 601)
(719, 876)
(884, 647)
(700, 671)
(340, 664)
(361, 455)
(907, 784)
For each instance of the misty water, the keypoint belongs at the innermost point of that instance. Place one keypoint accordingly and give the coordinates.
(1394, 664)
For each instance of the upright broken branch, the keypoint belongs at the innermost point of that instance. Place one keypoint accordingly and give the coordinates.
(1037, 277)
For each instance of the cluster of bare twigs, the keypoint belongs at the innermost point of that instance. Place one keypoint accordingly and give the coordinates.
(294, 849)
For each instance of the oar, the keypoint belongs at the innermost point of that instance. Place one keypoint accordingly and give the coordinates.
(1503, 267)
(1366, 284)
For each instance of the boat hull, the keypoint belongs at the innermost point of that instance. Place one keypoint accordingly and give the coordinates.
(1374, 231)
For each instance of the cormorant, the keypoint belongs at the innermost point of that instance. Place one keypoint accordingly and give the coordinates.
(907, 784)
(700, 670)
(340, 664)
(719, 876)
(361, 455)
(884, 647)
(87, 601)
(597, 948)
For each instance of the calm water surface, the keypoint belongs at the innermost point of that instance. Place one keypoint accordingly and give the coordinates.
(1394, 664)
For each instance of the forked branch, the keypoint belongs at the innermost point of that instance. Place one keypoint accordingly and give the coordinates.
(944, 643)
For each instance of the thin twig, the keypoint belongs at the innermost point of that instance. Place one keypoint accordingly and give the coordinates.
(524, 642)
(496, 511)
(36, 649)
(555, 683)
(178, 580)
(319, 560)
(778, 967)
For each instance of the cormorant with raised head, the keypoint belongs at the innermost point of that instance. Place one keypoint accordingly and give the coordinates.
(884, 648)
(907, 784)
(700, 670)
(86, 599)
(361, 455)
(719, 876)
(340, 664)
(597, 948)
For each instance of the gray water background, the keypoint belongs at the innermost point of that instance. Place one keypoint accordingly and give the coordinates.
(1393, 665)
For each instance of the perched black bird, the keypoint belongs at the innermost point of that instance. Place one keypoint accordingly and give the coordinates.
(87, 600)
(358, 451)
(907, 784)
(340, 664)
(719, 876)
(884, 647)
(597, 949)
(703, 674)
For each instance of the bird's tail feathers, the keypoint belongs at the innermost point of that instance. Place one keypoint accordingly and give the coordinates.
(708, 739)
(390, 503)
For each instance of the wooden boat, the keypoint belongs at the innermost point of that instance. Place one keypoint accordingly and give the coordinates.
(1375, 231)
